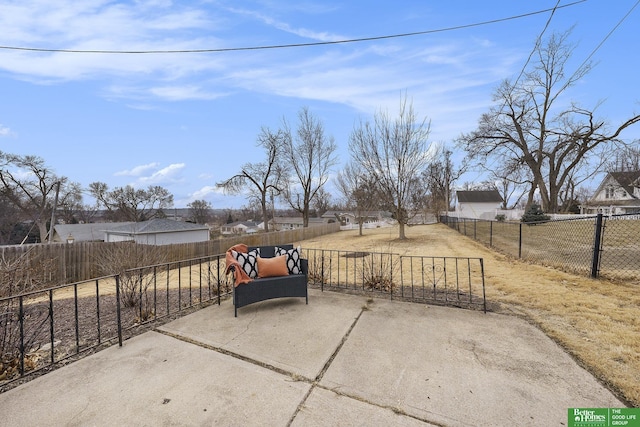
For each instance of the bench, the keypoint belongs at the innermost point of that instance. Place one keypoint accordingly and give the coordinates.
(261, 289)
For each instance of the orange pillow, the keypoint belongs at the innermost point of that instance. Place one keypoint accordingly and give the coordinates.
(272, 267)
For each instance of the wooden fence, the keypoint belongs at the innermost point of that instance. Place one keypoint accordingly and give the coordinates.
(61, 263)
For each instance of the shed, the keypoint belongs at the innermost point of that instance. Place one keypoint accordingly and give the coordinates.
(91, 232)
(481, 204)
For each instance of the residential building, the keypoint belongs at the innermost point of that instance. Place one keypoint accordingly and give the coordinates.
(481, 204)
(618, 193)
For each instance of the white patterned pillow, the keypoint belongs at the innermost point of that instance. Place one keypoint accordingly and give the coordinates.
(293, 259)
(248, 261)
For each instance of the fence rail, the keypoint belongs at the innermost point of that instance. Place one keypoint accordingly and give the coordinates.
(598, 245)
(43, 328)
(435, 280)
(40, 329)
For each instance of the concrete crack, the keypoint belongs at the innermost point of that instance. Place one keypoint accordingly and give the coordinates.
(326, 366)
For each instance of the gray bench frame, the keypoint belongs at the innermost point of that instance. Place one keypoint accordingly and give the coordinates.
(293, 285)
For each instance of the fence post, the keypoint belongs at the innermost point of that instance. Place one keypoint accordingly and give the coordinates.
(118, 319)
(597, 246)
(520, 242)
(491, 234)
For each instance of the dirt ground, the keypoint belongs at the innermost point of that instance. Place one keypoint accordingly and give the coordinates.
(596, 321)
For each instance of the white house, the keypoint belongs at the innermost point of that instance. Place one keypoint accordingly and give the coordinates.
(280, 223)
(158, 231)
(239, 227)
(478, 204)
(350, 219)
(618, 193)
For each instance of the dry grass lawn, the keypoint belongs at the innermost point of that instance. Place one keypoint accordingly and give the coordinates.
(596, 321)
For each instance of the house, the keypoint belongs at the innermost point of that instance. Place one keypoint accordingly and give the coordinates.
(618, 193)
(239, 227)
(158, 231)
(478, 204)
(351, 219)
(91, 232)
(280, 223)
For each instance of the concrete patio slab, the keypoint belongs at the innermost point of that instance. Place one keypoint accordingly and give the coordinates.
(154, 380)
(459, 367)
(283, 333)
(324, 407)
(341, 360)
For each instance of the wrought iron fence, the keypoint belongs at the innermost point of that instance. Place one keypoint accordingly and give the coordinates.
(42, 329)
(437, 280)
(599, 246)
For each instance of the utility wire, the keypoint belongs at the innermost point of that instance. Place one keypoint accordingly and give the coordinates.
(537, 44)
(283, 46)
(593, 52)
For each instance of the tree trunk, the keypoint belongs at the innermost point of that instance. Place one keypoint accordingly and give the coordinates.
(265, 212)
(42, 228)
(401, 234)
(305, 215)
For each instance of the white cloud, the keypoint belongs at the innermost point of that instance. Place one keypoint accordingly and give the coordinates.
(204, 192)
(164, 176)
(5, 131)
(102, 25)
(181, 93)
(283, 26)
(138, 170)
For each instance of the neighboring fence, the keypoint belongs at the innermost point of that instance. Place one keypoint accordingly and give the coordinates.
(599, 246)
(64, 263)
(42, 329)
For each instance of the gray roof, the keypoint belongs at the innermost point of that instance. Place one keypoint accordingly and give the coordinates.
(482, 196)
(627, 180)
(245, 223)
(86, 232)
(157, 225)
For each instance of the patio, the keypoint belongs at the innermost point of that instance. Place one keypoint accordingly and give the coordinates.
(342, 359)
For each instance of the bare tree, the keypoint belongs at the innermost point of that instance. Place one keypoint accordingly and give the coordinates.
(128, 204)
(265, 178)
(70, 206)
(394, 152)
(200, 211)
(10, 217)
(626, 160)
(359, 191)
(439, 178)
(321, 202)
(530, 126)
(30, 186)
(311, 155)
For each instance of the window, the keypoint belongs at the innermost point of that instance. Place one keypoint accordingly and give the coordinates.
(609, 193)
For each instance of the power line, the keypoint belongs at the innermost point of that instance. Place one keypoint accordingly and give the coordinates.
(593, 52)
(283, 46)
(537, 44)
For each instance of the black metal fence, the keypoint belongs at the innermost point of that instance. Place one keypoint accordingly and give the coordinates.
(599, 246)
(436, 280)
(42, 329)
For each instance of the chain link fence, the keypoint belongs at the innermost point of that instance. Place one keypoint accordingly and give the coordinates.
(599, 246)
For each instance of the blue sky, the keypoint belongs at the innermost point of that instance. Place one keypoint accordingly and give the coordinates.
(188, 120)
